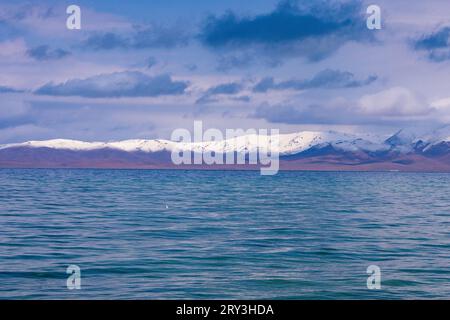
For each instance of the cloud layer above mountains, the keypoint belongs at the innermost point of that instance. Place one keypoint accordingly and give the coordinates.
(116, 85)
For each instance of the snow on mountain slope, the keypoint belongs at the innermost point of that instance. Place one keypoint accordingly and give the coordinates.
(437, 136)
(308, 150)
(402, 141)
(58, 144)
(299, 142)
(75, 145)
(287, 143)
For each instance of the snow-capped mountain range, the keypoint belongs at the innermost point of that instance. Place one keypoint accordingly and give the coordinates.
(287, 143)
(309, 150)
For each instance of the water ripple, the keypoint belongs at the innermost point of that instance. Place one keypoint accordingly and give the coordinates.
(211, 234)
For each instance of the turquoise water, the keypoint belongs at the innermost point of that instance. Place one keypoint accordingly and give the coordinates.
(223, 235)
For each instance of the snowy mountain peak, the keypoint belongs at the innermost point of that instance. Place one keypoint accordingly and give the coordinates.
(288, 143)
(401, 138)
(439, 135)
(292, 143)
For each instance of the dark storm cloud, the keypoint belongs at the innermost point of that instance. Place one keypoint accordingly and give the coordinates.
(141, 37)
(226, 88)
(106, 41)
(436, 44)
(221, 89)
(44, 52)
(7, 31)
(436, 40)
(293, 28)
(242, 99)
(5, 89)
(15, 121)
(151, 62)
(114, 85)
(157, 36)
(326, 79)
(13, 17)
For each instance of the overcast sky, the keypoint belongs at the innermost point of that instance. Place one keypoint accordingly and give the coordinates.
(138, 70)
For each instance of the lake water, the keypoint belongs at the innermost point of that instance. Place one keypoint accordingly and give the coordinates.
(143, 234)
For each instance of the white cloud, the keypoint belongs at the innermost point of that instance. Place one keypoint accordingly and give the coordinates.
(442, 104)
(397, 101)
